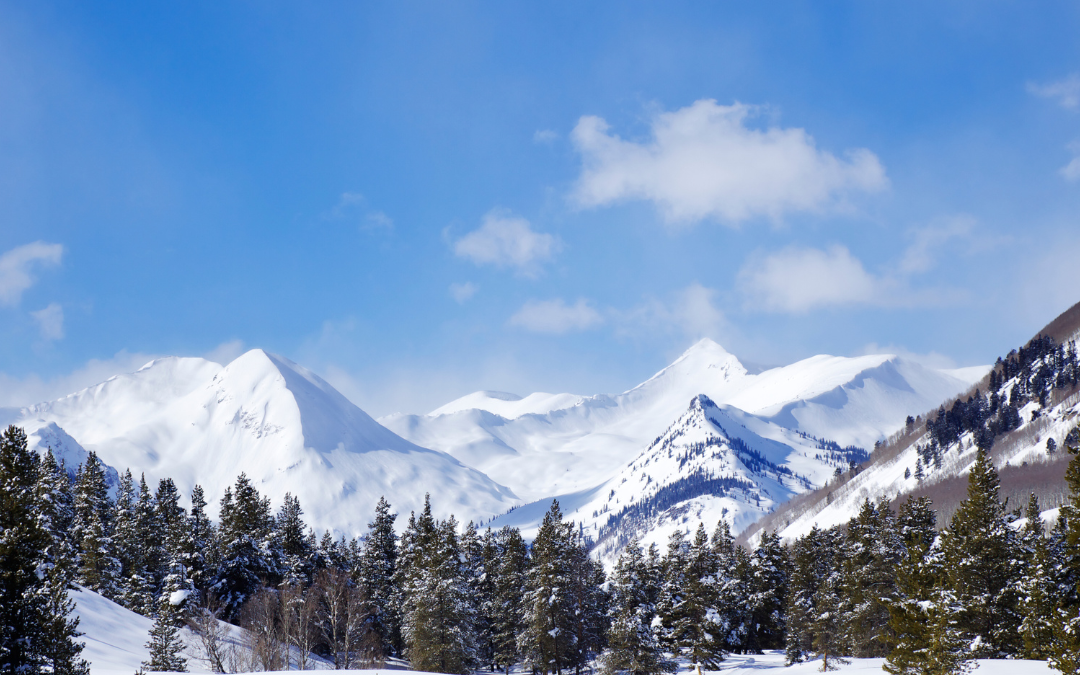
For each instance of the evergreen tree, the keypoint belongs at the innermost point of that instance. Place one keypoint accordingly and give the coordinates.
(298, 564)
(54, 501)
(165, 644)
(378, 565)
(1065, 649)
(671, 603)
(871, 550)
(34, 630)
(812, 563)
(172, 522)
(588, 605)
(129, 540)
(98, 568)
(197, 550)
(246, 527)
(826, 622)
(923, 615)
(438, 622)
(632, 644)
(508, 612)
(692, 622)
(767, 584)
(982, 566)
(546, 643)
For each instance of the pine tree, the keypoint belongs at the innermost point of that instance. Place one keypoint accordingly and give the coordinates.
(246, 527)
(546, 643)
(826, 623)
(632, 644)
(165, 644)
(670, 605)
(871, 550)
(693, 625)
(508, 614)
(98, 568)
(438, 622)
(378, 565)
(767, 583)
(34, 630)
(982, 565)
(197, 550)
(812, 563)
(134, 587)
(588, 605)
(1065, 649)
(60, 628)
(923, 614)
(297, 558)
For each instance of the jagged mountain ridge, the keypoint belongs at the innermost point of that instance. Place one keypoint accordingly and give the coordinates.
(713, 462)
(195, 421)
(853, 401)
(1021, 412)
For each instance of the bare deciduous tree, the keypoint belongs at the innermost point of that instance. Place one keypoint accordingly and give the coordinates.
(344, 620)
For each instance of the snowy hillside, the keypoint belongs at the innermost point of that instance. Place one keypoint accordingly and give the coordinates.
(576, 449)
(196, 421)
(1022, 412)
(713, 462)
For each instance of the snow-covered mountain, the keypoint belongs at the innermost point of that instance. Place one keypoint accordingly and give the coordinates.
(713, 462)
(196, 421)
(581, 442)
(1023, 411)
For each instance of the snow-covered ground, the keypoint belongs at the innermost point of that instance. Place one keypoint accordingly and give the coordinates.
(115, 641)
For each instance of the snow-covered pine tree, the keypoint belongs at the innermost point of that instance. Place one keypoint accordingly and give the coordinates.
(982, 566)
(812, 562)
(508, 613)
(197, 547)
(826, 622)
(588, 603)
(632, 645)
(697, 628)
(546, 642)
(165, 644)
(670, 606)
(172, 523)
(871, 551)
(98, 567)
(135, 590)
(1065, 650)
(767, 582)
(378, 564)
(34, 631)
(246, 526)
(438, 622)
(298, 563)
(59, 627)
(924, 636)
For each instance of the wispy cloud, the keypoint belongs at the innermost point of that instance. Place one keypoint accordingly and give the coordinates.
(464, 291)
(797, 280)
(50, 321)
(545, 136)
(928, 242)
(353, 207)
(504, 240)
(556, 317)
(18, 264)
(690, 312)
(1065, 92)
(1071, 171)
(704, 161)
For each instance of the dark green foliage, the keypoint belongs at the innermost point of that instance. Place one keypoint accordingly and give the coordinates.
(632, 644)
(982, 566)
(246, 526)
(377, 569)
(507, 613)
(872, 548)
(35, 569)
(98, 568)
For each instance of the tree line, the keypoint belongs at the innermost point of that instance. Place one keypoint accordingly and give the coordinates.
(453, 599)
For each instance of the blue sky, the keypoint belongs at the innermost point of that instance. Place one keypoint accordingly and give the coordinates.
(418, 200)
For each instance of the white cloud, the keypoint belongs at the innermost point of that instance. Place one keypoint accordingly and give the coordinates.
(928, 242)
(463, 292)
(545, 136)
(703, 161)
(930, 359)
(556, 317)
(16, 268)
(691, 312)
(798, 280)
(504, 240)
(1066, 92)
(1071, 171)
(352, 207)
(50, 321)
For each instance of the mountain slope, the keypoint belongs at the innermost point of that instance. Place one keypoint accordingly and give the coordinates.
(290, 431)
(571, 448)
(1021, 413)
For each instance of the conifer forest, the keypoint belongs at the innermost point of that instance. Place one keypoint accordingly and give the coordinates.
(450, 598)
